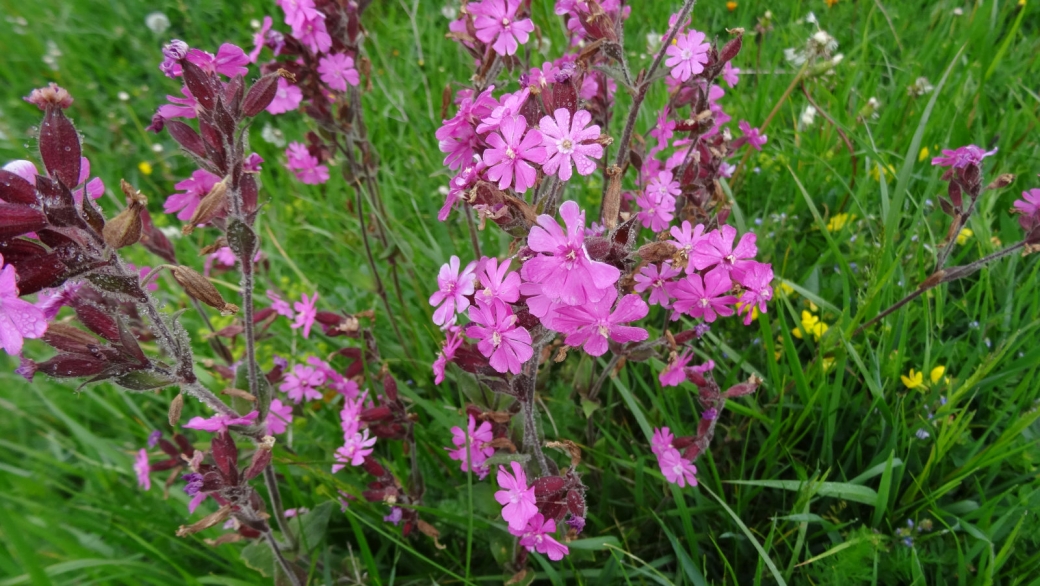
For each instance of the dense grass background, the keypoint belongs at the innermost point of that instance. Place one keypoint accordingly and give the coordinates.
(808, 482)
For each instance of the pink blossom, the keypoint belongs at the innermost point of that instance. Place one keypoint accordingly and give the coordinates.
(279, 417)
(542, 306)
(688, 55)
(509, 153)
(498, 283)
(302, 383)
(252, 163)
(962, 157)
(337, 70)
(333, 379)
(717, 249)
(1029, 208)
(230, 60)
(22, 168)
(50, 301)
(219, 423)
(286, 98)
(185, 107)
(564, 143)
(453, 291)
(304, 165)
(260, 38)
(456, 136)
(565, 271)
(172, 52)
(495, 22)
(675, 372)
(355, 449)
(517, 499)
(305, 313)
(395, 516)
(507, 345)
(309, 29)
(677, 469)
(661, 441)
(193, 189)
(657, 209)
(280, 306)
(663, 131)
(758, 290)
(478, 454)
(290, 513)
(19, 319)
(653, 278)
(730, 74)
(350, 415)
(590, 325)
(509, 107)
(93, 189)
(538, 536)
(686, 238)
(703, 297)
(143, 470)
(459, 184)
(752, 135)
(446, 355)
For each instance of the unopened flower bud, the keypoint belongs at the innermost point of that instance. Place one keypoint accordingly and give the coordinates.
(199, 287)
(52, 96)
(176, 50)
(210, 207)
(1001, 182)
(125, 229)
(612, 199)
(176, 405)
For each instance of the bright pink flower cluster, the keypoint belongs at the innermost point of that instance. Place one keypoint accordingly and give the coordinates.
(356, 441)
(478, 452)
(676, 469)
(520, 511)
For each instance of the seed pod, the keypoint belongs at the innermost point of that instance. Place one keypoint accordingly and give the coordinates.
(1001, 182)
(198, 287)
(210, 207)
(124, 229)
(612, 200)
(176, 405)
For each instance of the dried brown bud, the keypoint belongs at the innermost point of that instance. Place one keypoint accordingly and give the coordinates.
(657, 251)
(125, 229)
(210, 207)
(239, 393)
(206, 522)
(211, 248)
(199, 287)
(431, 532)
(1001, 182)
(612, 199)
(175, 410)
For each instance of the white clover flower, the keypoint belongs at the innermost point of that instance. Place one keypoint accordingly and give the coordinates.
(157, 22)
(808, 116)
(920, 87)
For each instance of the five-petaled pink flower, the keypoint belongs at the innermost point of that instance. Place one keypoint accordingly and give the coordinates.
(230, 60)
(507, 345)
(453, 291)
(143, 470)
(286, 98)
(730, 74)
(279, 417)
(677, 469)
(661, 441)
(496, 23)
(752, 136)
(653, 278)
(756, 281)
(447, 354)
(675, 372)
(686, 238)
(716, 248)
(687, 55)
(510, 152)
(1029, 208)
(305, 313)
(564, 140)
(304, 165)
(219, 423)
(337, 70)
(302, 383)
(657, 209)
(18, 318)
(193, 189)
(516, 498)
(705, 297)
(962, 157)
(538, 536)
(279, 305)
(478, 454)
(590, 325)
(498, 283)
(354, 450)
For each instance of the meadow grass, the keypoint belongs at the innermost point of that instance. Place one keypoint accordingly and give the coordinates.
(809, 480)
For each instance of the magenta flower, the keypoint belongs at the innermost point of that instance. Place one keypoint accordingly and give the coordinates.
(677, 469)
(230, 60)
(193, 189)
(752, 136)
(1029, 208)
(675, 372)
(478, 454)
(686, 238)
(538, 536)
(50, 301)
(279, 417)
(510, 152)
(395, 516)
(758, 289)
(454, 288)
(143, 470)
(260, 38)
(280, 306)
(654, 279)
(566, 272)
(302, 383)
(496, 23)
(305, 313)
(286, 98)
(304, 165)
(350, 415)
(22, 168)
(717, 249)
(507, 345)
(703, 298)
(19, 319)
(447, 354)
(459, 184)
(541, 305)
(517, 500)
(185, 107)
(509, 107)
(590, 325)
(458, 139)
(219, 423)
(498, 283)
(308, 26)
(730, 74)
(337, 70)
(688, 55)
(664, 131)
(563, 141)
(657, 209)
(354, 451)
(962, 157)
(661, 441)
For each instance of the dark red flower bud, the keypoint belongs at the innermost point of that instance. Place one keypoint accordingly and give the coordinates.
(14, 189)
(169, 449)
(372, 467)
(250, 192)
(374, 496)
(390, 387)
(746, 388)
(158, 123)
(261, 94)
(66, 338)
(42, 272)
(72, 366)
(692, 452)
(261, 459)
(548, 485)
(200, 84)
(183, 443)
(16, 220)
(730, 49)
(186, 137)
(225, 456)
(382, 413)
(59, 147)
(552, 509)
(576, 503)
(393, 431)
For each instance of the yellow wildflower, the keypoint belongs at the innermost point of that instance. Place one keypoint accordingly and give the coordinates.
(937, 374)
(913, 380)
(964, 235)
(888, 170)
(831, 3)
(838, 222)
(785, 288)
(731, 6)
(813, 308)
(923, 154)
(145, 167)
(812, 325)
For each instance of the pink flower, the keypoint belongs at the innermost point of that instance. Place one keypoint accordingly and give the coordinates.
(308, 25)
(459, 184)
(279, 417)
(50, 301)
(350, 415)
(355, 449)
(509, 152)
(717, 249)
(565, 271)
(509, 107)
(686, 238)
(453, 290)
(260, 38)
(657, 209)
(590, 325)
(280, 306)
(220, 423)
(563, 140)
(395, 516)
(756, 281)
(230, 60)
(730, 74)
(193, 190)
(143, 469)
(507, 345)
(688, 55)
(446, 355)
(185, 107)
(19, 319)
(337, 70)
(654, 279)
(541, 305)
(286, 98)
(677, 469)
(302, 383)
(664, 131)
(305, 313)
(752, 135)
(22, 168)
(498, 283)
(1029, 208)
(478, 454)
(333, 379)
(675, 372)
(517, 500)
(703, 298)
(495, 21)
(304, 165)
(661, 441)
(962, 157)
(538, 536)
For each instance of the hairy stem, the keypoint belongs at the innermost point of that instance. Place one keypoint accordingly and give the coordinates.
(532, 443)
(271, 481)
(287, 569)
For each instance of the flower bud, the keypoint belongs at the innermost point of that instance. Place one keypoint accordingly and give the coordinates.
(210, 207)
(52, 96)
(1001, 182)
(125, 229)
(198, 287)
(176, 405)
(612, 199)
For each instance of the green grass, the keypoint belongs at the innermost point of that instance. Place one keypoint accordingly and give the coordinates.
(807, 482)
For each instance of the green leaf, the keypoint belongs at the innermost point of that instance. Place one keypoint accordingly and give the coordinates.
(257, 555)
(311, 526)
(588, 407)
(840, 490)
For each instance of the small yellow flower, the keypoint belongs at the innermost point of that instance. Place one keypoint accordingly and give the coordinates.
(913, 380)
(145, 167)
(964, 235)
(813, 308)
(731, 6)
(1021, 2)
(923, 154)
(831, 3)
(838, 222)
(937, 374)
(888, 170)
(797, 332)
(787, 289)
(812, 325)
